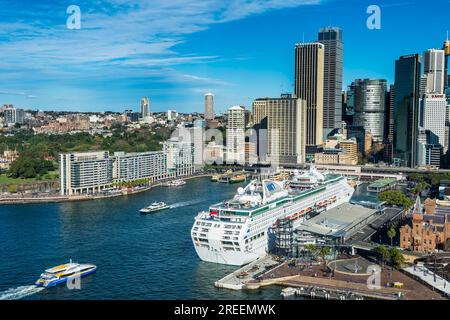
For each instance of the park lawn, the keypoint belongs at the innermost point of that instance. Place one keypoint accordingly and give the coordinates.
(4, 179)
(51, 175)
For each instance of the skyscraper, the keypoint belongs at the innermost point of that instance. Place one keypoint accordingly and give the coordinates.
(209, 106)
(433, 71)
(331, 37)
(406, 108)
(145, 107)
(284, 119)
(236, 135)
(309, 82)
(433, 111)
(370, 106)
(389, 124)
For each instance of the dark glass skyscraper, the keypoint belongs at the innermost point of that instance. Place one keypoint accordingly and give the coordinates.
(406, 108)
(331, 37)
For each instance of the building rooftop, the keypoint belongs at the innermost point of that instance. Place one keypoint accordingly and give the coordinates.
(382, 183)
(337, 221)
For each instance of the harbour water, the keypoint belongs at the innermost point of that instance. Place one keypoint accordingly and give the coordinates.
(138, 256)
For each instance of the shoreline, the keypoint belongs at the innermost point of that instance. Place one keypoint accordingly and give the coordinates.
(59, 199)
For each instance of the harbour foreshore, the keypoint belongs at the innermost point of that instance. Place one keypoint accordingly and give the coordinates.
(268, 271)
(57, 198)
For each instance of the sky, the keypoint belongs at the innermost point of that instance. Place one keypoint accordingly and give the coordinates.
(174, 51)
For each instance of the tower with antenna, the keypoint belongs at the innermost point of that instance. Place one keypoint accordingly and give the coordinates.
(446, 49)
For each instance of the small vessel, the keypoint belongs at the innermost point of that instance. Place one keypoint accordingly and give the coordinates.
(155, 206)
(237, 178)
(176, 183)
(64, 272)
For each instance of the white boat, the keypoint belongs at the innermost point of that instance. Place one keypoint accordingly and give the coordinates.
(234, 232)
(176, 183)
(155, 206)
(62, 273)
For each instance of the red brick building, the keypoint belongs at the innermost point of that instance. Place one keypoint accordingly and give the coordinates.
(427, 230)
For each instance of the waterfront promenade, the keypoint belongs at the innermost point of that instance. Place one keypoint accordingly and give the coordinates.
(24, 198)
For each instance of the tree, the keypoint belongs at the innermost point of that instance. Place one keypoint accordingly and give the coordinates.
(383, 253)
(311, 248)
(323, 252)
(391, 234)
(396, 197)
(397, 258)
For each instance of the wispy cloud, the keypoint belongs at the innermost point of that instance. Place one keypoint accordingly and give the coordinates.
(17, 93)
(117, 37)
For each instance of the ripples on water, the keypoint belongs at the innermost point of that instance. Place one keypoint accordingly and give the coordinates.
(138, 256)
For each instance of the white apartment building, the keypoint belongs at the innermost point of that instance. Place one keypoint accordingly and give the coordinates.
(141, 165)
(180, 157)
(84, 173)
(236, 135)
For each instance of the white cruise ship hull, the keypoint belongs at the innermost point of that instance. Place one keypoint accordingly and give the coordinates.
(229, 258)
(239, 241)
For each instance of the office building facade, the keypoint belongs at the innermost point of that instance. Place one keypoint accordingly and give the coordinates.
(370, 106)
(406, 108)
(309, 83)
(434, 71)
(284, 119)
(331, 38)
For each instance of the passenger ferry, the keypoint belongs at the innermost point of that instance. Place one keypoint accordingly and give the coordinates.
(155, 206)
(176, 183)
(234, 232)
(62, 273)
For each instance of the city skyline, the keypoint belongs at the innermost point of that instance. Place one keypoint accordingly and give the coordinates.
(177, 68)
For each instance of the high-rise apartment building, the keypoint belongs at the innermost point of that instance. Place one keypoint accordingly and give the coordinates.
(331, 37)
(145, 107)
(14, 115)
(85, 173)
(209, 106)
(284, 119)
(406, 108)
(309, 82)
(370, 106)
(236, 135)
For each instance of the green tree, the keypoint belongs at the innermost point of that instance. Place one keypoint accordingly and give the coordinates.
(391, 234)
(396, 197)
(397, 258)
(383, 253)
(311, 248)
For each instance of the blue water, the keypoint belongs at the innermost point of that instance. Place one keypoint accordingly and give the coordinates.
(138, 256)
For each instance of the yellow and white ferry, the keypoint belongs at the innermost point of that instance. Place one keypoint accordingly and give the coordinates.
(64, 272)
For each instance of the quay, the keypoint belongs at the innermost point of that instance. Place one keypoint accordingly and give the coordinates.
(53, 198)
(339, 282)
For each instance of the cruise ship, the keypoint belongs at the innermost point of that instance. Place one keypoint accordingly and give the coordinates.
(234, 232)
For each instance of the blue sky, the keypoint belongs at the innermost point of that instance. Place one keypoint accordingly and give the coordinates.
(176, 50)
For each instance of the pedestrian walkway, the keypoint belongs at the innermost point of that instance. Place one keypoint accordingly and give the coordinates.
(429, 277)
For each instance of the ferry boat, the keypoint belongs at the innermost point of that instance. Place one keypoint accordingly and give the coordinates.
(176, 183)
(234, 232)
(62, 273)
(155, 206)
